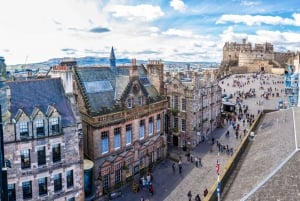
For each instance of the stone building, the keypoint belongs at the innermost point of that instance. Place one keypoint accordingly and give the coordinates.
(42, 142)
(122, 109)
(194, 106)
(245, 58)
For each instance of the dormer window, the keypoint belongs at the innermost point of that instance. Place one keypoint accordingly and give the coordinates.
(40, 129)
(130, 102)
(23, 127)
(140, 100)
(54, 125)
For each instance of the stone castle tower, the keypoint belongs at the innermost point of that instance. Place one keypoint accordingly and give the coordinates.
(244, 57)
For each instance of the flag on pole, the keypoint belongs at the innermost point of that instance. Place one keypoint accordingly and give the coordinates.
(218, 167)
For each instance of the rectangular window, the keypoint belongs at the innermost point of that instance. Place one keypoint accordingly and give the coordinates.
(25, 158)
(140, 100)
(41, 153)
(129, 102)
(175, 102)
(128, 134)
(11, 192)
(23, 126)
(70, 179)
(158, 122)
(175, 122)
(57, 182)
(158, 153)
(42, 186)
(142, 162)
(54, 125)
(142, 129)
(118, 176)
(183, 124)
(183, 104)
(105, 181)
(56, 155)
(150, 158)
(39, 125)
(104, 142)
(169, 101)
(117, 138)
(150, 126)
(27, 189)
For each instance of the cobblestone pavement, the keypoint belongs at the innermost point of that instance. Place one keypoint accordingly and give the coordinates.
(171, 186)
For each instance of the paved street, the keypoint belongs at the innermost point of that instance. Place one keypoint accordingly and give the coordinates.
(171, 186)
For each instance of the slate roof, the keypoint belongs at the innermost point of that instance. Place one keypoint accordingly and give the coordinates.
(28, 94)
(120, 83)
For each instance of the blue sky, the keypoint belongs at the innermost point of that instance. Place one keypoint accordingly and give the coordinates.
(171, 30)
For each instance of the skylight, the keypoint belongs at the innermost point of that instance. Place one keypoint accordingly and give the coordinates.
(98, 86)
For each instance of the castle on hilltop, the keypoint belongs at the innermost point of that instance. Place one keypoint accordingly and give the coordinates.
(245, 58)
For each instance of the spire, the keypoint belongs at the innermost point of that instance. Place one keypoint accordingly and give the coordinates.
(112, 58)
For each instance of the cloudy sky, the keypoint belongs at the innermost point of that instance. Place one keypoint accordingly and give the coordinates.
(171, 30)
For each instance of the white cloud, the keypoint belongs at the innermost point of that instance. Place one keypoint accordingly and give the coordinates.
(249, 3)
(229, 35)
(260, 19)
(141, 12)
(178, 5)
(154, 29)
(178, 32)
(39, 30)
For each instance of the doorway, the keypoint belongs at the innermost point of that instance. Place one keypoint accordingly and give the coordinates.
(175, 140)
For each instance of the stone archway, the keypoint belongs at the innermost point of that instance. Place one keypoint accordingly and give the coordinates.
(262, 69)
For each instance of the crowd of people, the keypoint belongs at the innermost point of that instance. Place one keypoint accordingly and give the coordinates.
(249, 93)
(238, 123)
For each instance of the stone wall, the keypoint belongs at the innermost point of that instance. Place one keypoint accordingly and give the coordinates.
(252, 59)
(278, 71)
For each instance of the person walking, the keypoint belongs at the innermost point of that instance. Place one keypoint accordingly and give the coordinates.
(197, 198)
(200, 162)
(189, 195)
(205, 192)
(173, 167)
(151, 189)
(180, 166)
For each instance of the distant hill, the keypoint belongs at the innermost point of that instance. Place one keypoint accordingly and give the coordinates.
(93, 61)
(82, 61)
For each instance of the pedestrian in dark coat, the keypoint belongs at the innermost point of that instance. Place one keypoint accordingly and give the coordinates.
(189, 195)
(197, 198)
(151, 189)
